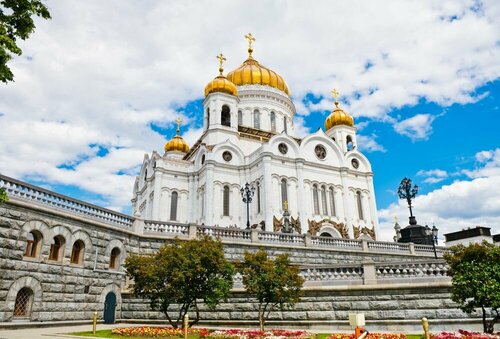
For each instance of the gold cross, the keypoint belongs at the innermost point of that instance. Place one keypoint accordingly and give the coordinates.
(178, 121)
(335, 94)
(285, 203)
(221, 61)
(250, 39)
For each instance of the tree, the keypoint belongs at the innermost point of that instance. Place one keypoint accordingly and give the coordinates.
(272, 282)
(3, 195)
(16, 23)
(475, 272)
(182, 273)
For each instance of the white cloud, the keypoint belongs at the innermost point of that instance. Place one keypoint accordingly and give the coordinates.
(464, 203)
(100, 73)
(417, 127)
(433, 176)
(369, 143)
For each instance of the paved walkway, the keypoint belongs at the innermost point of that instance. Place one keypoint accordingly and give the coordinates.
(51, 332)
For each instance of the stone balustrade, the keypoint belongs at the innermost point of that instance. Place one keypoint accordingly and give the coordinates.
(20, 191)
(26, 192)
(419, 270)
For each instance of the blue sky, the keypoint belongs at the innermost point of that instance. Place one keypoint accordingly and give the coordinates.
(100, 85)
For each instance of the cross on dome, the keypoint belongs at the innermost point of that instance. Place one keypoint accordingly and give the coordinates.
(178, 121)
(335, 94)
(221, 61)
(250, 39)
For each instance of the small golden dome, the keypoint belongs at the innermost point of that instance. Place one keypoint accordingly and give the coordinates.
(253, 73)
(177, 143)
(338, 116)
(220, 83)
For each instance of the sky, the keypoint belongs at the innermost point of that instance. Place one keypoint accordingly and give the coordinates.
(100, 85)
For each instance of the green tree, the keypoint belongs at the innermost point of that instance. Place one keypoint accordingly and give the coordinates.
(475, 273)
(272, 282)
(182, 272)
(3, 195)
(16, 23)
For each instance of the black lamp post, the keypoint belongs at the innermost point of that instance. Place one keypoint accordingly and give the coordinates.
(247, 194)
(433, 236)
(406, 191)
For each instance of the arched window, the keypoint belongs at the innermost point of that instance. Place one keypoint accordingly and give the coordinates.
(225, 117)
(258, 197)
(273, 121)
(56, 248)
(173, 206)
(24, 300)
(315, 199)
(202, 204)
(332, 202)
(33, 242)
(114, 257)
(360, 206)
(325, 234)
(225, 203)
(240, 117)
(284, 193)
(77, 252)
(350, 145)
(256, 119)
(323, 200)
(208, 117)
(285, 127)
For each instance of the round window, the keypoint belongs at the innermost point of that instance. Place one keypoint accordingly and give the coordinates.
(320, 152)
(355, 163)
(227, 156)
(283, 148)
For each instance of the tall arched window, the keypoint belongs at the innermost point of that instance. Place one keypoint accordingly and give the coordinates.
(114, 257)
(24, 300)
(208, 117)
(32, 244)
(360, 205)
(332, 202)
(273, 121)
(225, 117)
(315, 199)
(225, 202)
(202, 204)
(77, 252)
(56, 248)
(284, 193)
(258, 197)
(256, 119)
(349, 144)
(240, 117)
(173, 205)
(285, 127)
(324, 206)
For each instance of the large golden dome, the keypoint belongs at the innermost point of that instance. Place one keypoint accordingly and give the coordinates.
(177, 143)
(253, 73)
(338, 116)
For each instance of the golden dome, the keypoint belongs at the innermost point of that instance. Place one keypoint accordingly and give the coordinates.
(177, 143)
(338, 116)
(221, 84)
(253, 73)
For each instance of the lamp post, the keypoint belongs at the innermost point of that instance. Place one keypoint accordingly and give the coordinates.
(433, 236)
(247, 194)
(406, 191)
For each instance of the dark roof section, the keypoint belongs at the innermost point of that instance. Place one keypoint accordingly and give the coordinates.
(496, 238)
(468, 233)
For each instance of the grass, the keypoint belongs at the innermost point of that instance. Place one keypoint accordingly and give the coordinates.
(108, 334)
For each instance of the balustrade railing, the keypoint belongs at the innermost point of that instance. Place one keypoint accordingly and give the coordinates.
(389, 246)
(283, 238)
(20, 190)
(225, 233)
(416, 270)
(332, 273)
(336, 242)
(165, 227)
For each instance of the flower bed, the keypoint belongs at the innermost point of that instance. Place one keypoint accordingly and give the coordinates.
(463, 334)
(149, 331)
(256, 334)
(369, 336)
(164, 332)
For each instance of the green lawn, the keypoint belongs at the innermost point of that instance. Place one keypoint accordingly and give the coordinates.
(107, 334)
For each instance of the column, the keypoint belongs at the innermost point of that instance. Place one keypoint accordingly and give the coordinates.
(209, 195)
(267, 207)
(373, 205)
(300, 197)
(346, 203)
(155, 215)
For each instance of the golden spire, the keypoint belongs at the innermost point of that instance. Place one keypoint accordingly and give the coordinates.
(285, 204)
(250, 39)
(221, 61)
(178, 121)
(336, 94)
(395, 219)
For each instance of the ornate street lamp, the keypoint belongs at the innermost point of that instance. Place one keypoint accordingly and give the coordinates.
(406, 191)
(433, 236)
(247, 194)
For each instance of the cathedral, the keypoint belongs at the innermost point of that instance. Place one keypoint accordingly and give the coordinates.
(321, 181)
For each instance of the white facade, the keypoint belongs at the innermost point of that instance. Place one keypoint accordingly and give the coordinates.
(206, 185)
